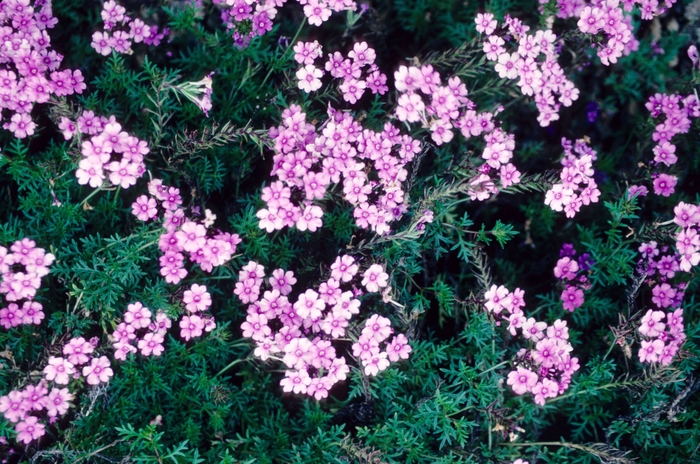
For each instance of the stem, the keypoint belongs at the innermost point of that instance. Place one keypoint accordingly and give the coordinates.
(94, 192)
(284, 55)
(98, 450)
(229, 366)
(494, 367)
(602, 387)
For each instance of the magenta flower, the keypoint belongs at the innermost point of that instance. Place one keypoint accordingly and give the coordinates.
(309, 305)
(13, 406)
(665, 185)
(572, 298)
(137, 316)
(59, 370)
(522, 380)
(152, 344)
(296, 381)
(663, 295)
(57, 402)
(30, 429)
(398, 348)
(376, 363)
(377, 327)
(344, 268)
(77, 350)
(98, 371)
(144, 208)
(651, 325)
(375, 278)
(197, 298)
(651, 350)
(191, 327)
(255, 327)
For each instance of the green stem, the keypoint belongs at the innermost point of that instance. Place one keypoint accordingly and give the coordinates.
(494, 367)
(229, 367)
(284, 55)
(601, 387)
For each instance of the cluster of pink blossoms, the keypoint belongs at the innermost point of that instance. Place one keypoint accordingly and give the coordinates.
(308, 163)
(183, 235)
(687, 217)
(678, 111)
(660, 341)
(543, 79)
(278, 325)
(648, 8)
(545, 369)
(617, 28)
(19, 406)
(350, 70)
(109, 149)
(577, 186)
(114, 15)
(21, 270)
(28, 67)
(250, 18)
(571, 270)
(142, 332)
(450, 108)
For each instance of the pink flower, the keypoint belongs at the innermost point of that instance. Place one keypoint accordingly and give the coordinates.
(344, 268)
(665, 185)
(651, 325)
(197, 298)
(77, 350)
(59, 370)
(377, 327)
(533, 330)
(296, 381)
(572, 298)
(152, 343)
(282, 281)
(485, 23)
(191, 236)
(375, 278)
(57, 402)
(13, 406)
(307, 52)
(191, 327)
(101, 43)
(522, 380)
(144, 208)
(545, 389)
(21, 124)
(137, 316)
(98, 371)
(663, 295)
(651, 350)
(309, 305)
(29, 429)
(255, 327)
(398, 348)
(309, 78)
(566, 269)
(310, 219)
(375, 364)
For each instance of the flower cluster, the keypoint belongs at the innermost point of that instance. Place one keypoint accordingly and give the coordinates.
(113, 16)
(678, 111)
(577, 186)
(661, 341)
(571, 271)
(21, 270)
(687, 217)
(543, 79)
(308, 163)
(278, 325)
(250, 18)
(545, 369)
(183, 235)
(618, 35)
(28, 67)
(109, 149)
(19, 406)
(649, 8)
(449, 107)
(350, 70)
